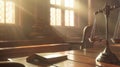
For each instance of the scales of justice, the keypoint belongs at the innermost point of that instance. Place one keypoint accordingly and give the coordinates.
(106, 56)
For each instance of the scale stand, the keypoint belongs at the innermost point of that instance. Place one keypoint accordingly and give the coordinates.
(106, 55)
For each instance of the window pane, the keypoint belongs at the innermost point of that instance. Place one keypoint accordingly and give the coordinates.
(69, 3)
(1, 11)
(58, 17)
(69, 18)
(52, 1)
(52, 16)
(10, 14)
(58, 2)
(7, 14)
(55, 16)
(55, 2)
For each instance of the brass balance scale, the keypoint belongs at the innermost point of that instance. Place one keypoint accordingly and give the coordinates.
(106, 55)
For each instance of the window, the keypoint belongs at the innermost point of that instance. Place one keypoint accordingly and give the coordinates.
(55, 16)
(62, 13)
(69, 18)
(7, 12)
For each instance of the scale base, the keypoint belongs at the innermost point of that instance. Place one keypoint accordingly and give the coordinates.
(107, 57)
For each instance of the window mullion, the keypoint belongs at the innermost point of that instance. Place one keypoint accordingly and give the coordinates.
(62, 13)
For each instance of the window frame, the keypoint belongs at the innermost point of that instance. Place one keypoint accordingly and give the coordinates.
(7, 23)
(63, 8)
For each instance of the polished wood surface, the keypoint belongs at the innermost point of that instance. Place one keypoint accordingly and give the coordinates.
(21, 51)
(76, 58)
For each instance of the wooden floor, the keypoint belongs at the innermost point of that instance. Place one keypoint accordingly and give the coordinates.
(75, 58)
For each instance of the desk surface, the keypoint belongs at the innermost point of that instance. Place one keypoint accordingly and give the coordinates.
(76, 58)
(67, 63)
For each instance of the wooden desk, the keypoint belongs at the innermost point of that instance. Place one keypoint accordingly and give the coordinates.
(76, 58)
(66, 63)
